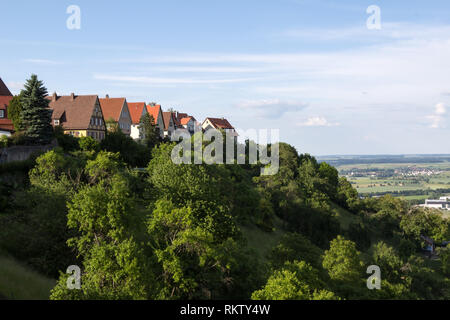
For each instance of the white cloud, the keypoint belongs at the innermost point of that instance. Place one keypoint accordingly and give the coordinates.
(43, 61)
(406, 69)
(387, 81)
(318, 122)
(437, 119)
(389, 31)
(160, 80)
(273, 108)
(440, 109)
(201, 69)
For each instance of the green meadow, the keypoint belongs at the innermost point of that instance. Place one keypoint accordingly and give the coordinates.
(378, 175)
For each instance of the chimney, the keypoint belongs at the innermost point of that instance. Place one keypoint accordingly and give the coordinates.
(54, 96)
(72, 96)
(107, 96)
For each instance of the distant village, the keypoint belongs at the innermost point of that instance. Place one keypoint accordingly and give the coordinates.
(91, 116)
(410, 171)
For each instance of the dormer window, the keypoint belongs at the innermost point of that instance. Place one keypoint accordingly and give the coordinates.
(56, 122)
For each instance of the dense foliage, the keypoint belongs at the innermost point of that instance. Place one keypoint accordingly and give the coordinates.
(35, 119)
(182, 231)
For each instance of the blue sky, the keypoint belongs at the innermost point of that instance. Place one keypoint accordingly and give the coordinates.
(310, 68)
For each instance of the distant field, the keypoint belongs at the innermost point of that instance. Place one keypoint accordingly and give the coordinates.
(441, 165)
(377, 175)
(369, 185)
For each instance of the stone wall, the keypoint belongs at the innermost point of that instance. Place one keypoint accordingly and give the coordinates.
(21, 153)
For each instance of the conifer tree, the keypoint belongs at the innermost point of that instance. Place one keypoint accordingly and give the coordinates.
(15, 112)
(36, 115)
(149, 131)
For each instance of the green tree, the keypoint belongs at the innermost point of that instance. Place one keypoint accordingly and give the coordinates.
(342, 261)
(389, 213)
(36, 115)
(114, 264)
(132, 152)
(188, 258)
(331, 183)
(421, 222)
(444, 254)
(36, 233)
(15, 112)
(387, 259)
(194, 231)
(296, 281)
(294, 247)
(360, 234)
(89, 144)
(112, 125)
(347, 196)
(203, 188)
(150, 133)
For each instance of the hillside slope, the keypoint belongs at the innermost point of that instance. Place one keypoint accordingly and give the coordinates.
(20, 283)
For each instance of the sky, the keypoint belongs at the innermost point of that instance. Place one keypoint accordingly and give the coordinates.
(310, 68)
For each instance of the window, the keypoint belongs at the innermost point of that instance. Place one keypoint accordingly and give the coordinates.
(2, 113)
(56, 122)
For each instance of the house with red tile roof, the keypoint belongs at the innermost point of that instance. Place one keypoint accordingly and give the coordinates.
(116, 110)
(188, 122)
(156, 112)
(6, 125)
(219, 124)
(170, 123)
(79, 116)
(179, 116)
(137, 111)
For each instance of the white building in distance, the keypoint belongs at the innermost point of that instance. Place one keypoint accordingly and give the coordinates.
(443, 203)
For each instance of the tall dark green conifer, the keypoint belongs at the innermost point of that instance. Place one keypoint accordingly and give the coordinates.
(149, 131)
(36, 115)
(15, 112)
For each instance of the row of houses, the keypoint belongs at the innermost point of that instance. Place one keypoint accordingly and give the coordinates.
(90, 115)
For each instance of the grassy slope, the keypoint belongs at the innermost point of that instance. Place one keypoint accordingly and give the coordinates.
(20, 283)
(263, 242)
(345, 217)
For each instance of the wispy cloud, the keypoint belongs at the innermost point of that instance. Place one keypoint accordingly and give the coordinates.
(201, 69)
(317, 122)
(396, 31)
(273, 108)
(159, 80)
(43, 61)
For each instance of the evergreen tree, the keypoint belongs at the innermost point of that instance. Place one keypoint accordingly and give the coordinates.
(150, 133)
(36, 116)
(15, 112)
